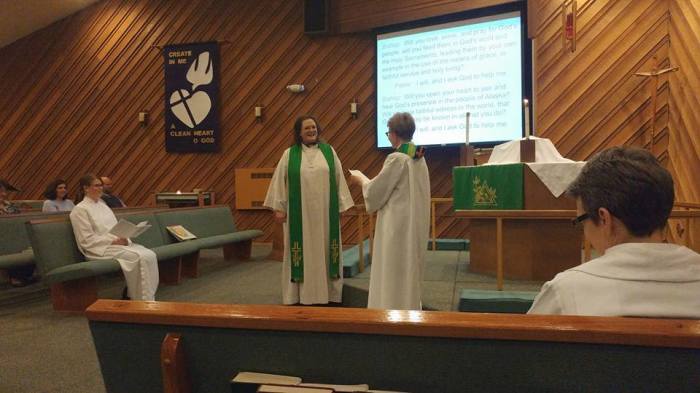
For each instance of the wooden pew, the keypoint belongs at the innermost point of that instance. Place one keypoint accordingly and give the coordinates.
(414, 351)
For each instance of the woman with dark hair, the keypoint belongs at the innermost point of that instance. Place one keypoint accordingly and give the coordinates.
(92, 220)
(400, 194)
(624, 197)
(307, 193)
(56, 195)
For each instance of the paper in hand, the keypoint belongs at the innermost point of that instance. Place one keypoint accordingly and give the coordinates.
(360, 175)
(125, 229)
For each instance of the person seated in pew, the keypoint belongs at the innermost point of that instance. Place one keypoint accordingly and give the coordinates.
(92, 220)
(57, 197)
(23, 275)
(623, 200)
(110, 199)
(7, 207)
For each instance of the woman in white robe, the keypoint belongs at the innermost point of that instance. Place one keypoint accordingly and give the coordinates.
(400, 194)
(316, 287)
(92, 220)
(623, 200)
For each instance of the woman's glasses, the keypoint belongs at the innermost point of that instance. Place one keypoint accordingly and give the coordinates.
(580, 219)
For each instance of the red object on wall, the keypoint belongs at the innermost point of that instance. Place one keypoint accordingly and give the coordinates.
(570, 26)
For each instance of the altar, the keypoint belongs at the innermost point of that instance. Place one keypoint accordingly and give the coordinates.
(520, 215)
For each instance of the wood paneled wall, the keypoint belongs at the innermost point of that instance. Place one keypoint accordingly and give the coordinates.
(684, 119)
(72, 91)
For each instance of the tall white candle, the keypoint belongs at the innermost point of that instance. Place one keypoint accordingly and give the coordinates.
(466, 130)
(526, 109)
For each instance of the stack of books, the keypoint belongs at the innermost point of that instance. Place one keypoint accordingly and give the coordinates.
(250, 382)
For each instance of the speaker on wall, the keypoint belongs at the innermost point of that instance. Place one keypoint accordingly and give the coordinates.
(315, 16)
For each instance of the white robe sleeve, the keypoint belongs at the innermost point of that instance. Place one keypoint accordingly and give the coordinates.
(345, 200)
(547, 301)
(378, 190)
(85, 235)
(276, 198)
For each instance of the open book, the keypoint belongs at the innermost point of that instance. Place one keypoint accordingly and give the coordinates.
(252, 382)
(180, 232)
(126, 229)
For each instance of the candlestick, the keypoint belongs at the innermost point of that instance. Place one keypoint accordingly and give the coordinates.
(466, 130)
(526, 108)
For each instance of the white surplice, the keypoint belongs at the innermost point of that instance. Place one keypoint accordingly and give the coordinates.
(400, 193)
(91, 224)
(631, 279)
(317, 287)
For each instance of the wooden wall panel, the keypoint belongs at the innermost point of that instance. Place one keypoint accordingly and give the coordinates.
(684, 119)
(590, 99)
(75, 89)
(72, 91)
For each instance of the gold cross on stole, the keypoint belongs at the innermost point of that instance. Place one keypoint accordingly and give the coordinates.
(334, 251)
(296, 254)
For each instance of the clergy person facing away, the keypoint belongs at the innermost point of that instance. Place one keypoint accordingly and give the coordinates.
(623, 200)
(307, 194)
(400, 193)
(92, 220)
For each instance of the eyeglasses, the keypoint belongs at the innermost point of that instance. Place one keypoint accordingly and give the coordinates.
(387, 134)
(580, 219)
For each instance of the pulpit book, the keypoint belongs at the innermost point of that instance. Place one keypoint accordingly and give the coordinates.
(126, 229)
(180, 233)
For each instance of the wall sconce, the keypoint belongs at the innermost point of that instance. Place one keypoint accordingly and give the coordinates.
(258, 113)
(143, 117)
(295, 88)
(353, 109)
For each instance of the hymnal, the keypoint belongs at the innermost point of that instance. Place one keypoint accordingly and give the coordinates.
(180, 232)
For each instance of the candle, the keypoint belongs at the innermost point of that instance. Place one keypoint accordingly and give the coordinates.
(466, 130)
(526, 108)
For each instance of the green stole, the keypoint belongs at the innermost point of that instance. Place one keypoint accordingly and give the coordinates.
(296, 243)
(408, 148)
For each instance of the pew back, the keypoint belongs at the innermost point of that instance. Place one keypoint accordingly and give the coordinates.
(410, 351)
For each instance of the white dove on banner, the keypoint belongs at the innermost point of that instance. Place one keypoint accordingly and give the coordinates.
(193, 108)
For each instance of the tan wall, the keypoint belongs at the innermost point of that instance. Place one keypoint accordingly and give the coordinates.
(72, 91)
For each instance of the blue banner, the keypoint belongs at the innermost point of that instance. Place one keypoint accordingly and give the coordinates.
(191, 97)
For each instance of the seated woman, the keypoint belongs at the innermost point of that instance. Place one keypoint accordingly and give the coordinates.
(92, 220)
(57, 197)
(623, 200)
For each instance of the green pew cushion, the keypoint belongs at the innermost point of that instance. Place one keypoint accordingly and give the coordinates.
(54, 245)
(17, 259)
(513, 302)
(13, 236)
(152, 237)
(79, 270)
(220, 240)
(203, 222)
(449, 244)
(174, 250)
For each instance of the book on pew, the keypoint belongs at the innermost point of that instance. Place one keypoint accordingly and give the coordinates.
(291, 389)
(180, 232)
(338, 388)
(127, 230)
(250, 382)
